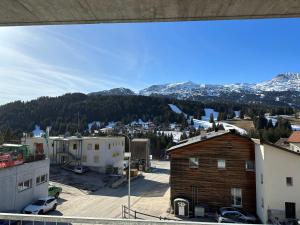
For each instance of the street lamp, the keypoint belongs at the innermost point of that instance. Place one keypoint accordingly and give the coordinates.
(128, 155)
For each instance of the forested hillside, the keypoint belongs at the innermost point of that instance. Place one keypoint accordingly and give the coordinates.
(64, 112)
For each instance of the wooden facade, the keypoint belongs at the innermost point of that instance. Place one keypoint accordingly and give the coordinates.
(208, 185)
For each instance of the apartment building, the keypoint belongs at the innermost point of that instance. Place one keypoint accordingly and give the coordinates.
(277, 182)
(97, 153)
(294, 141)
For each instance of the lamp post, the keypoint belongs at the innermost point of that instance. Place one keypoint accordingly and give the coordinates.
(128, 155)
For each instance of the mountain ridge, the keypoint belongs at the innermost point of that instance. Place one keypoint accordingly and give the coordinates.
(183, 90)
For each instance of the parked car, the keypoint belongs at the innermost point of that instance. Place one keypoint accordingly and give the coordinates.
(12, 222)
(234, 215)
(41, 206)
(80, 169)
(54, 191)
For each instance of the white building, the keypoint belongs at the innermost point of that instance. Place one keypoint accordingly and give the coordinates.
(97, 153)
(22, 184)
(294, 141)
(277, 182)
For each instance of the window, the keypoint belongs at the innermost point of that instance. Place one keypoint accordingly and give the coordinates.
(84, 158)
(221, 163)
(194, 162)
(261, 178)
(289, 181)
(22, 186)
(41, 179)
(236, 197)
(49, 201)
(232, 215)
(250, 165)
(109, 146)
(96, 158)
(74, 146)
(97, 147)
(89, 147)
(262, 203)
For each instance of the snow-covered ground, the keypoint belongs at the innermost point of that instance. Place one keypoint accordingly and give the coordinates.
(274, 121)
(98, 123)
(37, 132)
(140, 122)
(175, 109)
(111, 124)
(228, 126)
(295, 127)
(204, 124)
(176, 134)
(208, 111)
(201, 124)
(273, 118)
(237, 114)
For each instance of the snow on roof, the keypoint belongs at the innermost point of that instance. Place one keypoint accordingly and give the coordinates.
(198, 139)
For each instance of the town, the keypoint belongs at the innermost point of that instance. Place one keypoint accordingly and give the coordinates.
(161, 112)
(219, 175)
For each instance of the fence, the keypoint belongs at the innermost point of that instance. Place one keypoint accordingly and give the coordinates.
(139, 215)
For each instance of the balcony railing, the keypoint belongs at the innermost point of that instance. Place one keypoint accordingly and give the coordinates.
(58, 220)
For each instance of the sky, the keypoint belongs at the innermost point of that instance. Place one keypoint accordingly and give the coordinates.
(52, 60)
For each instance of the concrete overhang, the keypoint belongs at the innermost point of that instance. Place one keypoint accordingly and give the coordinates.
(44, 12)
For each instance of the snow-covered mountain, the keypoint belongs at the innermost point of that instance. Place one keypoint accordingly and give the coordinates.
(282, 82)
(273, 90)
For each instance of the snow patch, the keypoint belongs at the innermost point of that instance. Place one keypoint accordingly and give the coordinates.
(37, 132)
(208, 111)
(175, 109)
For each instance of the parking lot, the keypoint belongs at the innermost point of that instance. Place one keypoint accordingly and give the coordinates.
(88, 196)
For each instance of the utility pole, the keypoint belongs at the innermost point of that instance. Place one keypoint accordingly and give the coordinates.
(129, 175)
(128, 155)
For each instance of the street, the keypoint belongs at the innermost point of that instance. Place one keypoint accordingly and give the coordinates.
(149, 194)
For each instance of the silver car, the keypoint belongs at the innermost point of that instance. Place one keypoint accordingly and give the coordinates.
(234, 215)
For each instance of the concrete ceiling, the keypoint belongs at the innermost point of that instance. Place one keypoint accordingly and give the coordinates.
(30, 12)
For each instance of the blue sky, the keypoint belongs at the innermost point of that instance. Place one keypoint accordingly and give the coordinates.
(52, 60)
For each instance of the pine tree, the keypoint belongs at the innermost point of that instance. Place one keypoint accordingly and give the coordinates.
(219, 116)
(183, 136)
(211, 118)
(270, 124)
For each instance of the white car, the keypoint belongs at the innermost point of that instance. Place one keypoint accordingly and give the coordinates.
(234, 215)
(41, 206)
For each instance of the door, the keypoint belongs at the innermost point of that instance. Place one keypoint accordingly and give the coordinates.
(62, 160)
(181, 210)
(290, 210)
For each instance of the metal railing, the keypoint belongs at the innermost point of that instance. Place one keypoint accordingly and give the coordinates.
(139, 215)
(44, 219)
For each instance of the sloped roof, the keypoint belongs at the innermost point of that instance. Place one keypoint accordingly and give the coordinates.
(282, 142)
(295, 137)
(281, 148)
(197, 139)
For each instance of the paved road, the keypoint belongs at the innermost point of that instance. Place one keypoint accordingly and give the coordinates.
(149, 194)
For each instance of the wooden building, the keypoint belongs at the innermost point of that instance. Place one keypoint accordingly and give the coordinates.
(216, 170)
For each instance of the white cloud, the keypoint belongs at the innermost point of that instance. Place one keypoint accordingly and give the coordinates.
(29, 66)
